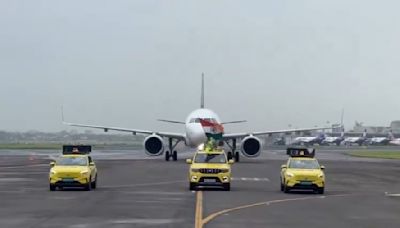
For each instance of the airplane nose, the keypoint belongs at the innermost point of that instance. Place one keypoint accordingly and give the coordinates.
(195, 134)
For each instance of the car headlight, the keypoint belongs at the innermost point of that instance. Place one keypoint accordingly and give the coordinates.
(195, 170)
(290, 174)
(84, 172)
(225, 170)
(52, 172)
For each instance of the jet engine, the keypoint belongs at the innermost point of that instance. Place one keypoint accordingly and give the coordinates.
(153, 145)
(250, 146)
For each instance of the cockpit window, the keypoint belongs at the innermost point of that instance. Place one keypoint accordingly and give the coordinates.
(197, 120)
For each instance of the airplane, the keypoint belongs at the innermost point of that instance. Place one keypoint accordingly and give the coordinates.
(395, 141)
(383, 140)
(334, 140)
(357, 140)
(310, 140)
(281, 141)
(195, 134)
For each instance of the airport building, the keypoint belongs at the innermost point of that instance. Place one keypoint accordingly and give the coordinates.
(394, 127)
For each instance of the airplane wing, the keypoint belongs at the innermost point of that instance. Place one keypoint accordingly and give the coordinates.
(171, 121)
(133, 131)
(245, 134)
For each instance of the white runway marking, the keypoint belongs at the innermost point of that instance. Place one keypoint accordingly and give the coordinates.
(146, 221)
(153, 193)
(23, 166)
(14, 179)
(392, 194)
(250, 179)
(142, 184)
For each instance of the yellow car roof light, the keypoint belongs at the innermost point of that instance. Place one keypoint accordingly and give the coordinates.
(77, 149)
(300, 152)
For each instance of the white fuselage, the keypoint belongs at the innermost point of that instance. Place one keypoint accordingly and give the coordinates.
(352, 139)
(379, 140)
(195, 134)
(331, 139)
(304, 139)
(395, 141)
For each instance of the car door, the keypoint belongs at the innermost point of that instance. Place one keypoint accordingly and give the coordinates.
(283, 170)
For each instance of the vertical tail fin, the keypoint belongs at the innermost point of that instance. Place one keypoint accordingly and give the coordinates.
(390, 135)
(202, 91)
(341, 118)
(364, 135)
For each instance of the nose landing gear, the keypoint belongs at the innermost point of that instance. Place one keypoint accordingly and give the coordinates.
(171, 153)
(233, 154)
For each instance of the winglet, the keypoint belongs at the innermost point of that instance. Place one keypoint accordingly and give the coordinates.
(62, 116)
(62, 113)
(202, 91)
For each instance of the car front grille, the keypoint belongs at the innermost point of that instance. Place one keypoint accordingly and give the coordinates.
(306, 177)
(69, 174)
(211, 171)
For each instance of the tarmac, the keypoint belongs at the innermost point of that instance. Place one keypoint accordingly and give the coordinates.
(139, 191)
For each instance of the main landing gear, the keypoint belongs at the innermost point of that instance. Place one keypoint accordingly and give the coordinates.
(171, 153)
(233, 154)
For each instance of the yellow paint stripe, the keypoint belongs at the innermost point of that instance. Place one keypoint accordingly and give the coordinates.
(216, 214)
(199, 210)
(200, 222)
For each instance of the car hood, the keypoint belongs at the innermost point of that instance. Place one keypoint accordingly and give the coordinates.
(72, 169)
(310, 172)
(209, 166)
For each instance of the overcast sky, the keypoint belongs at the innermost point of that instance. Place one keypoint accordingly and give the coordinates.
(127, 63)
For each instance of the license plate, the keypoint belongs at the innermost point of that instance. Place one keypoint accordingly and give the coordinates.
(68, 179)
(306, 183)
(209, 180)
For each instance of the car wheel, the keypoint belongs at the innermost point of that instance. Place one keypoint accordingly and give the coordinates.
(282, 186)
(52, 187)
(321, 190)
(192, 187)
(237, 157)
(286, 189)
(94, 183)
(227, 187)
(88, 185)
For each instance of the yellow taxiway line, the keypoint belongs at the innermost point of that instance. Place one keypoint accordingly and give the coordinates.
(200, 222)
(199, 210)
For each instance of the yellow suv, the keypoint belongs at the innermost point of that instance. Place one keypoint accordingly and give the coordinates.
(210, 168)
(73, 169)
(302, 171)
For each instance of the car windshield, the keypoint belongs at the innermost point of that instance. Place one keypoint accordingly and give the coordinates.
(303, 164)
(210, 158)
(72, 161)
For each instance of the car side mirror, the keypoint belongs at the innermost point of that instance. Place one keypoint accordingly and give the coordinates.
(91, 164)
(189, 161)
(230, 161)
(52, 164)
(322, 167)
(283, 166)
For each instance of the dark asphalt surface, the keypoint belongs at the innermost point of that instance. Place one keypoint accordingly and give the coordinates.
(135, 191)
